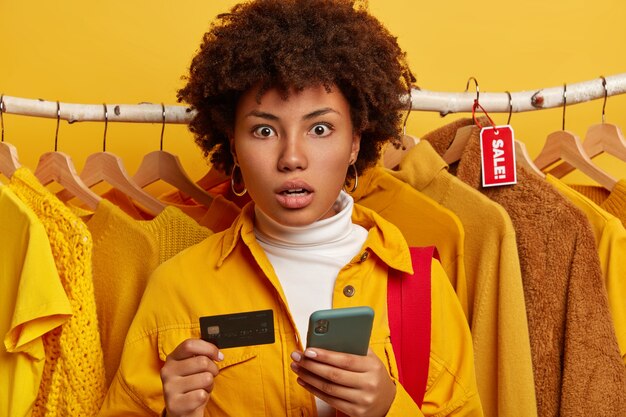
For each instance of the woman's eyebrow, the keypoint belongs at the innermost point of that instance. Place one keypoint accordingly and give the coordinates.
(308, 116)
(319, 112)
(262, 115)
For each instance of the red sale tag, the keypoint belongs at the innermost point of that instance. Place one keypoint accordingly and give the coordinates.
(497, 150)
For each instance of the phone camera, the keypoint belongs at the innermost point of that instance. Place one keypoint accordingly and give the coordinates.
(321, 326)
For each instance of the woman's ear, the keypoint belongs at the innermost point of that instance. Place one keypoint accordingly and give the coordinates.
(356, 146)
(233, 152)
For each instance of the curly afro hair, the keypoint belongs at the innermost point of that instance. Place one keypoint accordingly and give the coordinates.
(291, 45)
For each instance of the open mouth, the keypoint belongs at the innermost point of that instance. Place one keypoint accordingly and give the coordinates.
(295, 192)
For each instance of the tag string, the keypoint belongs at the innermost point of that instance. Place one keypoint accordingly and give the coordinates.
(476, 122)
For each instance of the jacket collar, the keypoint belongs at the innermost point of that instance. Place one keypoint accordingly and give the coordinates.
(384, 239)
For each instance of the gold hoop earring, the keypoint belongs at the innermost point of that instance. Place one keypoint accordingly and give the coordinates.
(356, 181)
(232, 183)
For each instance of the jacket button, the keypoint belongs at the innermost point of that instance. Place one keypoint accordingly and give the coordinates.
(364, 256)
(348, 290)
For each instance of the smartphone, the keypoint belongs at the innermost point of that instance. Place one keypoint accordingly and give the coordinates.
(345, 330)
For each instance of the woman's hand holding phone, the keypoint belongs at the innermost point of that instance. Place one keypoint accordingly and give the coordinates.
(358, 386)
(339, 367)
(188, 377)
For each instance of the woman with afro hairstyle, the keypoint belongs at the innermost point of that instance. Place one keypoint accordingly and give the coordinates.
(294, 98)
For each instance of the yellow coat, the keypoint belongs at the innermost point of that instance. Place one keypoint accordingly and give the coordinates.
(497, 309)
(229, 272)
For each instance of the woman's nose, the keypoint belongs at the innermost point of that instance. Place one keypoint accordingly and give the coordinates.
(293, 154)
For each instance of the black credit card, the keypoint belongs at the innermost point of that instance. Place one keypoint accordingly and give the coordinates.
(238, 329)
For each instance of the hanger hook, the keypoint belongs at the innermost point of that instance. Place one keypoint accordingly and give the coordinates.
(106, 124)
(2, 110)
(56, 133)
(508, 121)
(606, 94)
(477, 89)
(564, 104)
(163, 124)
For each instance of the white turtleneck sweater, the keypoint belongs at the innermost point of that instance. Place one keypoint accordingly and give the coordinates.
(307, 260)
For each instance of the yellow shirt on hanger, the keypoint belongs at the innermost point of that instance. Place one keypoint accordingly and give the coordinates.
(497, 309)
(422, 221)
(229, 272)
(73, 381)
(611, 243)
(32, 303)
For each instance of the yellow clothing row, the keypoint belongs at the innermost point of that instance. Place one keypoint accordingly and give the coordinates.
(71, 283)
(72, 379)
(577, 366)
(229, 272)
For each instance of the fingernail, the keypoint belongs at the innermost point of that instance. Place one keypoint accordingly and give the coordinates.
(296, 356)
(310, 353)
(220, 356)
(294, 367)
(299, 381)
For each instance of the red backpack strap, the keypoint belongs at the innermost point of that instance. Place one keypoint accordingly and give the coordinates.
(409, 310)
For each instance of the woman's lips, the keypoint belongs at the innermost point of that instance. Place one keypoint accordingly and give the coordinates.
(294, 195)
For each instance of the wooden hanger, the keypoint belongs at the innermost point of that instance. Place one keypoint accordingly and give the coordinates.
(8, 154)
(454, 152)
(58, 167)
(601, 137)
(8, 159)
(522, 158)
(164, 166)
(212, 178)
(393, 156)
(106, 167)
(563, 145)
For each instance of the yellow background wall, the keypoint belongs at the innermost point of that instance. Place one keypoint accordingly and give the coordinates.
(136, 51)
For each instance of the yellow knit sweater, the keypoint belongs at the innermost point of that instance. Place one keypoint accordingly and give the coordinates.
(72, 383)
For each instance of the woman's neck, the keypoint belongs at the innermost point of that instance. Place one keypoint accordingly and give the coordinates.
(322, 232)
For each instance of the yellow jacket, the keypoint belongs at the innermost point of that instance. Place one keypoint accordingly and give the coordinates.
(229, 272)
(423, 221)
(497, 309)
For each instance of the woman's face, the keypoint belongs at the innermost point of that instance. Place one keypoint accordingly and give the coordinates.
(294, 153)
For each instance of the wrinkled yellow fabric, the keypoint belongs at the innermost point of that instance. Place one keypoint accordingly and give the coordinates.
(73, 382)
(32, 303)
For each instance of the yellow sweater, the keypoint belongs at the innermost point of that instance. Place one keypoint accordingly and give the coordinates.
(126, 251)
(32, 303)
(611, 243)
(73, 381)
(497, 309)
(422, 221)
(614, 201)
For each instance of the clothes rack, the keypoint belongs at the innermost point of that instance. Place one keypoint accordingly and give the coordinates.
(421, 100)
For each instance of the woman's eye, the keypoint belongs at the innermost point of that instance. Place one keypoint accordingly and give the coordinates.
(264, 132)
(321, 130)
